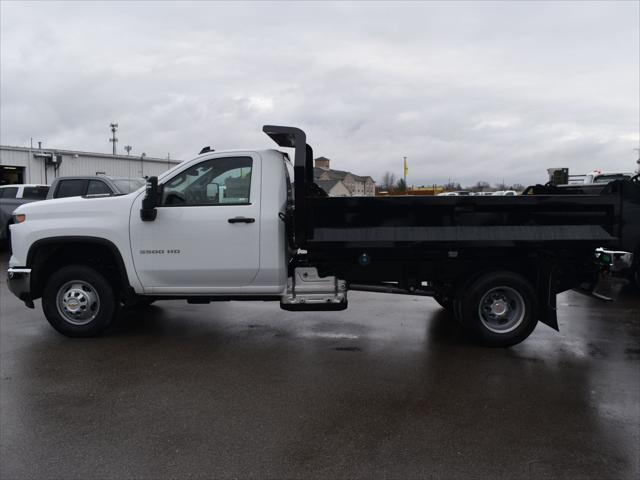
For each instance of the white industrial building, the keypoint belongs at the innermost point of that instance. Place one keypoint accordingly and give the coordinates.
(41, 166)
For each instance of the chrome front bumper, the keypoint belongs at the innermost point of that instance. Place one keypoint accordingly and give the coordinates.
(19, 283)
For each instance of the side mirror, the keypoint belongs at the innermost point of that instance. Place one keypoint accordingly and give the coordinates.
(150, 201)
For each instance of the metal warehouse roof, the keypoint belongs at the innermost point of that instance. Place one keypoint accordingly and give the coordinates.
(89, 154)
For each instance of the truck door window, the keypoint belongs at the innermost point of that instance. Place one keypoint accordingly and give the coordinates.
(97, 187)
(221, 181)
(71, 188)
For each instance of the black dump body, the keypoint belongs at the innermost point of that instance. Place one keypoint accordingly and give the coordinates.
(463, 221)
(410, 239)
(625, 191)
(547, 234)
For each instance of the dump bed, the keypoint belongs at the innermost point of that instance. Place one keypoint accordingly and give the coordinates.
(626, 191)
(543, 219)
(463, 221)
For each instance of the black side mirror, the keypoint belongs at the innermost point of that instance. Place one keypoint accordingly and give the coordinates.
(150, 201)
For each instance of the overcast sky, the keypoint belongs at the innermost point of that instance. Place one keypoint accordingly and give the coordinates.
(471, 91)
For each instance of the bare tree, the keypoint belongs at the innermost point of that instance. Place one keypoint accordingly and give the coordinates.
(401, 186)
(388, 181)
(480, 186)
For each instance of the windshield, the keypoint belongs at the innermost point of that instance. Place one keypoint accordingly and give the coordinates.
(128, 185)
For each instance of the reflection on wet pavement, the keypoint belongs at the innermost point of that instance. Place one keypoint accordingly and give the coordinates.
(389, 388)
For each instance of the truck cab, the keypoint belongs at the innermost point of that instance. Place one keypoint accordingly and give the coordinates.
(217, 229)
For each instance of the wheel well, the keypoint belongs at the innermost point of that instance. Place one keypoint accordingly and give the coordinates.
(468, 272)
(6, 230)
(48, 256)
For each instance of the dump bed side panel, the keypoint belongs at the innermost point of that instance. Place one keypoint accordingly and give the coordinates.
(458, 221)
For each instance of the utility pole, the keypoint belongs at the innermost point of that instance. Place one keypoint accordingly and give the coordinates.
(142, 164)
(113, 139)
(128, 149)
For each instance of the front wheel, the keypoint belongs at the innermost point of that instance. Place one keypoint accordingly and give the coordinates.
(79, 302)
(500, 309)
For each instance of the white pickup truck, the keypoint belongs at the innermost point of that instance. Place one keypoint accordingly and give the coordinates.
(227, 226)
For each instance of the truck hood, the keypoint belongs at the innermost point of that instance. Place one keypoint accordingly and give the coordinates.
(106, 218)
(70, 206)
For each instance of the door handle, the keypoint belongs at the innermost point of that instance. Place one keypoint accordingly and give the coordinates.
(241, 220)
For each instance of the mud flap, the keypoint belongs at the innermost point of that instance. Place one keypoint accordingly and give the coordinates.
(547, 296)
(607, 288)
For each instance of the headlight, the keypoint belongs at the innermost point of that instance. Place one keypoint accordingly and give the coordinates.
(19, 218)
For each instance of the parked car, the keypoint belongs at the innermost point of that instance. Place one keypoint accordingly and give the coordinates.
(11, 197)
(80, 186)
(454, 194)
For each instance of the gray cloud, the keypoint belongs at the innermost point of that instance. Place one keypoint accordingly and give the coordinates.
(472, 91)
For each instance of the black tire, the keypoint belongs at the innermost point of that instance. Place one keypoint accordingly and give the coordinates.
(458, 295)
(500, 309)
(7, 241)
(73, 291)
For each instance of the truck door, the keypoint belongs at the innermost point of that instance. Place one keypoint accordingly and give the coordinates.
(206, 236)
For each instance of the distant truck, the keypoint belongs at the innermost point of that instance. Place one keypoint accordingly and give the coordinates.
(560, 176)
(606, 177)
(11, 197)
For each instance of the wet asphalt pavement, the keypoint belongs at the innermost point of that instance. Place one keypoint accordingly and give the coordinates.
(390, 388)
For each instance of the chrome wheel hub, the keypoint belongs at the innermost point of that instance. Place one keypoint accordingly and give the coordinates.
(499, 307)
(502, 309)
(78, 302)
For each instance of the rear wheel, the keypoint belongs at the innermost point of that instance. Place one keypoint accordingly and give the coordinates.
(499, 309)
(79, 302)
